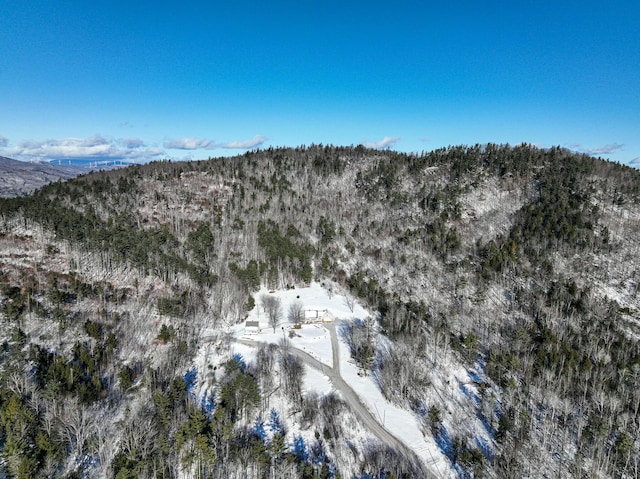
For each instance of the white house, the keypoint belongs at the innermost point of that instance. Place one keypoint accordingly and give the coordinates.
(318, 316)
(252, 327)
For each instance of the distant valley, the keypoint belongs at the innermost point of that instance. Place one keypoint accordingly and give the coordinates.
(19, 178)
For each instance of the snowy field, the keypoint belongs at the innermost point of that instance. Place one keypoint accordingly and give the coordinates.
(312, 338)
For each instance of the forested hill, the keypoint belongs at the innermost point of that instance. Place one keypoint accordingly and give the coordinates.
(517, 264)
(20, 177)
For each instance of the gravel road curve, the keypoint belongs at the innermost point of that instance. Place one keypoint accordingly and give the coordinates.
(348, 394)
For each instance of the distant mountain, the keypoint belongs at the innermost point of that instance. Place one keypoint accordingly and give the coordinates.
(18, 178)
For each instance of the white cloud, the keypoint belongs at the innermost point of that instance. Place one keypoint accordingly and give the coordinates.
(190, 144)
(93, 147)
(98, 147)
(608, 149)
(133, 143)
(65, 148)
(206, 144)
(635, 162)
(245, 144)
(386, 142)
(93, 141)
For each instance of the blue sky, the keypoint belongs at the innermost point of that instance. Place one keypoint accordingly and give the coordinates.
(151, 80)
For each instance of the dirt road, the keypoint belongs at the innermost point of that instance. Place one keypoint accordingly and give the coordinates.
(349, 395)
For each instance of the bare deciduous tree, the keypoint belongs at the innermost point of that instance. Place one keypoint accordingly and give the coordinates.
(309, 409)
(292, 372)
(76, 424)
(264, 364)
(349, 301)
(103, 443)
(331, 409)
(138, 434)
(273, 308)
(296, 312)
(18, 382)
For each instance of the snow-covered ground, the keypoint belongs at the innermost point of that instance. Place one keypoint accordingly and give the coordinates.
(400, 422)
(315, 339)
(312, 338)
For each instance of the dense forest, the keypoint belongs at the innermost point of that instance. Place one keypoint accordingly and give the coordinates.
(516, 264)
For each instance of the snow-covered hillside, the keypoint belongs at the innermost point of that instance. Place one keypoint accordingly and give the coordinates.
(324, 311)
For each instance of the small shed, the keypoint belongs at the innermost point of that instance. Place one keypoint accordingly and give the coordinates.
(251, 327)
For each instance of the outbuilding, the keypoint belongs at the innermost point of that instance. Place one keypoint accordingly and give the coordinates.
(318, 316)
(252, 327)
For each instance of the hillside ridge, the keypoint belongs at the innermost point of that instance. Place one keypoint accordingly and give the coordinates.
(498, 290)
